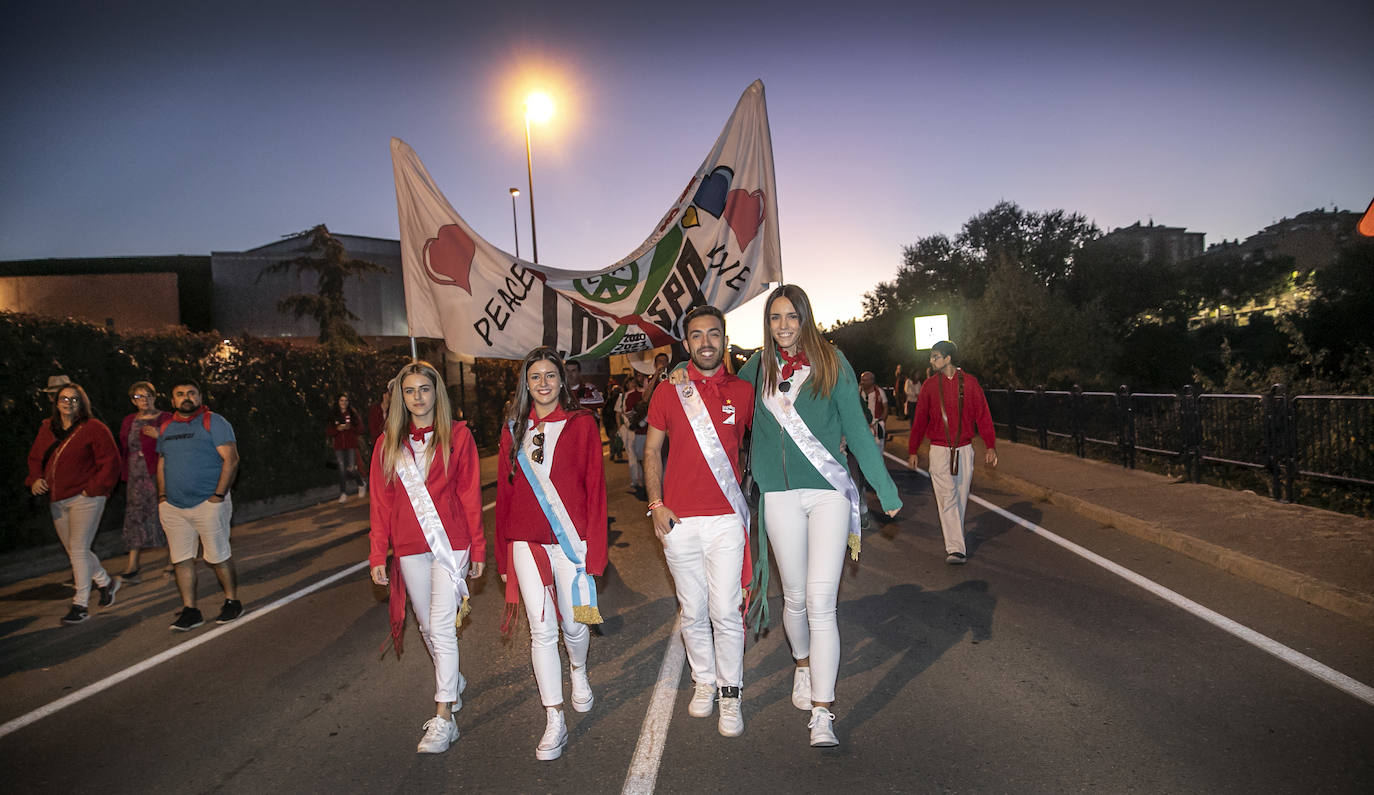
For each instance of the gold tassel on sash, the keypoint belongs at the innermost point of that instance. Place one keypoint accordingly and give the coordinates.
(586, 614)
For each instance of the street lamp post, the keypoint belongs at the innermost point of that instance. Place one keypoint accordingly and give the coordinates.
(513, 223)
(539, 108)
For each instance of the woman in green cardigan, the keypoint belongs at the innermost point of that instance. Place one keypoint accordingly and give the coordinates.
(806, 403)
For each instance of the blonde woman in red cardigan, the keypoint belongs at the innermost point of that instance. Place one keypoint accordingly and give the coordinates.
(551, 532)
(75, 462)
(427, 510)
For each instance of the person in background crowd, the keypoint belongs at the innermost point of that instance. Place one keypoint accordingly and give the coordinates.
(875, 403)
(610, 420)
(701, 515)
(551, 532)
(426, 511)
(376, 415)
(74, 461)
(898, 387)
(344, 429)
(912, 391)
(949, 410)
(588, 396)
(199, 457)
(807, 401)
(636, 418)
(137, 441)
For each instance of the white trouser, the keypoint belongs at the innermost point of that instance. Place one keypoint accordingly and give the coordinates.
(706, 555)
(76, 519)
(435, 600)
(951, 493)
(544, 621)
(808, 530)
(636, 455)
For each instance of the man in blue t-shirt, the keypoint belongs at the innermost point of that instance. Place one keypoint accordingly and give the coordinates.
(197, 459)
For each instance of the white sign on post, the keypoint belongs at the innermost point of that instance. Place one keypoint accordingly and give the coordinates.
(930, 330)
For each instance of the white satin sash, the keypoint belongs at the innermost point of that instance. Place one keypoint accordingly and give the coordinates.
(783, 409)
(708, 441)
(430, 522)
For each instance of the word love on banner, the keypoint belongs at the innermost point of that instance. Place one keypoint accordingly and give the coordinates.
(717, 244)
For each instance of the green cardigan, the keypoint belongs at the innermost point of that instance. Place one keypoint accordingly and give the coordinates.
(778, 464)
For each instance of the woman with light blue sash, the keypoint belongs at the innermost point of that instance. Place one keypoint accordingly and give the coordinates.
(806, 402)
(551, 532)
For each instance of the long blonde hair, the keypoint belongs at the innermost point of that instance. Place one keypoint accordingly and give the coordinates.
(825, 367)
(394, 440)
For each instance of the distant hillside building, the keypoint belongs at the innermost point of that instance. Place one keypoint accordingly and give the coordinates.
(220, 292)
(1164, 244)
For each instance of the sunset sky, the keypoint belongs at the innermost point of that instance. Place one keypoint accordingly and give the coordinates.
(166, 128)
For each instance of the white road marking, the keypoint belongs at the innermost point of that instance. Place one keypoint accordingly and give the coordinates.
(1295, 658)
(156, 660)
(654, 734)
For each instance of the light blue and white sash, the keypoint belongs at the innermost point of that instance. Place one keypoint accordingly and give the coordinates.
(430, 523)
(585, 609)
(708, 441)
(784, 410)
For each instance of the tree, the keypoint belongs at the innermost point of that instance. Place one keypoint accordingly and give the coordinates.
(326, 257)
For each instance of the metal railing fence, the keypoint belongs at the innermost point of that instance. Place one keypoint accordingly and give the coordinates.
(1319, 437)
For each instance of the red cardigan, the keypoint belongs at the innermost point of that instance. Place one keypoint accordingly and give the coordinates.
(576, 473)
(457, 494)
(928, 422)
(87, 460)
(148, 443)
(345, 440)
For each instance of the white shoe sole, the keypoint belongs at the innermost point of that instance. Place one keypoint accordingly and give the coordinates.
(579, 706)
(550, 754)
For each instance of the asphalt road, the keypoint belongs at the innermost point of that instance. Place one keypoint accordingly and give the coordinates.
(1030, 669)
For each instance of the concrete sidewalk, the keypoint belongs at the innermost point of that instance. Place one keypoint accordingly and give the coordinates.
(1318, 556)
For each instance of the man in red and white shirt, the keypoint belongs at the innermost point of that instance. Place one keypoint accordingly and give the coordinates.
(704, 539)
(951, 405)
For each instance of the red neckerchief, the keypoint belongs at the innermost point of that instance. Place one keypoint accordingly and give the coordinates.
(710, 385)
(559, 413)
(418, 434)
(792, 364)
(176, 415)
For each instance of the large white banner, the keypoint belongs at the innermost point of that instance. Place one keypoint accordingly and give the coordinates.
(717, 244)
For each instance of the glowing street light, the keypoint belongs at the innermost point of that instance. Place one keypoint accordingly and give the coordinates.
(538, 108)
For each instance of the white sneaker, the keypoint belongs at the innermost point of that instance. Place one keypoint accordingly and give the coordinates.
(458, 699)
(362, 491)
(582, 696)
(822, 733)
(343, 498)
(703, 700)
(555, 736)
(731, 722)
(439, 735)
(801, 687)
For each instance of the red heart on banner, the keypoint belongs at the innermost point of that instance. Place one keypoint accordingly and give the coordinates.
(744, 214)
(448, 257)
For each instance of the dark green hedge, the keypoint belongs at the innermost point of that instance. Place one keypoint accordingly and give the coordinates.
(277, 396)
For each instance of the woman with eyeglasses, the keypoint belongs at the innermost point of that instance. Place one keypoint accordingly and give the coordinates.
(551, 532)
(427, 511)
(137, 441)
(75, 462)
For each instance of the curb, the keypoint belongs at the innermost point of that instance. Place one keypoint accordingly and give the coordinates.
(1343, 601)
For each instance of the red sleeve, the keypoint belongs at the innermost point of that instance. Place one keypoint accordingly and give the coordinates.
(105, 454)
(382, 495)
(658, 410)
(41, 442)
(331, 429)
(505, 492)
(594, 481)
(746, 409)
(920, 417)
(982, 415)
(469, 485)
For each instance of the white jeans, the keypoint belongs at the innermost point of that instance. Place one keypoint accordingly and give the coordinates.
(76, 519)
(539, 609)
(808, 530)
(705, 555)
(435, 601)
(951, 493)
